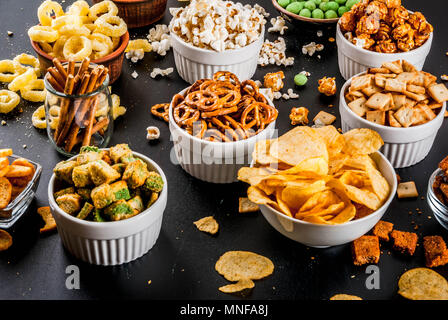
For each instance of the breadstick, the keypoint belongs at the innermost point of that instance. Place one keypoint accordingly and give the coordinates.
(91, 117)
(57, 76)
(64, 106)
(97, 127)
(71, 67)
(54, 83)
(60, 68)
(83, 67)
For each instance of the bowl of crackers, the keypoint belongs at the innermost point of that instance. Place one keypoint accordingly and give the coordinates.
(19, 179)
(404, 105)
(80, 32)
(374, 32)
(319, 187)
(215, 124)
(108, 204)
(210, 36)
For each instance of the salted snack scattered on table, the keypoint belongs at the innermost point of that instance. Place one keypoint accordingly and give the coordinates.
(50, 223)
(207, 224)
(385, 27)
(299, 116)
(242, 267)
(79, 117)
(317, 174)
(397, 95)
(440, 185)
(14, 177)
(216, 24)
(423, 284)
(327, 86)
(436, 252)
(79, 32)
(106, 185)
(366, 250)
(223, 109)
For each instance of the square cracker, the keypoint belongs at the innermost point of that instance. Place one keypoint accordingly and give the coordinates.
(407, 77)
(407, 190)
(392, 120)
(377, 116)
(379, 101)
(325, 118)
(371, 89)
(405, 116)
(399, 100)
(395, 85)
(395, 66)
(408, 67)
(438, 92)
(415, 89)
(360, 82)
(358, 106)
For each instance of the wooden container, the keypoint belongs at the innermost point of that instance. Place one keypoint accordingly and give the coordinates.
(140, 13)
(113, 61)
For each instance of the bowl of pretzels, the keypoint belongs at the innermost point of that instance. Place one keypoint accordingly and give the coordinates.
(215, 124)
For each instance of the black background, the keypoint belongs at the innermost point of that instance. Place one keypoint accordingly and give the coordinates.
(181, 264)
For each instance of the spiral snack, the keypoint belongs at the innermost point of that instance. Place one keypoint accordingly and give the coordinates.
(75, 119)
(222, 109)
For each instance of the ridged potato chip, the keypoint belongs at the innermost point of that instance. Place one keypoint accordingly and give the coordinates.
(423, 284)
(242, 265)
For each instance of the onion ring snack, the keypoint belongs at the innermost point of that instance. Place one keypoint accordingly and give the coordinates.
(222, 109)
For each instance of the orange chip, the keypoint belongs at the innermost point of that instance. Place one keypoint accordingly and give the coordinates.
(4, 162)
(5, 192)
(18, 171)
(5, 152)
(50, 223)
(5, 240)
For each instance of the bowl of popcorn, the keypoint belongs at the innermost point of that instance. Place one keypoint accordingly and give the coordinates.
(95, 32)
(108, 204)
(216, 123)
(374, 32)
(404, 105)
(215, 35)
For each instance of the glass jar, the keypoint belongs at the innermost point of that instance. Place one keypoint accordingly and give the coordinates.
(74, 121)
(439, 209)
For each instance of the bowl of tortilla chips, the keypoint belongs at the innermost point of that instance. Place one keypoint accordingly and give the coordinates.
(319, 187)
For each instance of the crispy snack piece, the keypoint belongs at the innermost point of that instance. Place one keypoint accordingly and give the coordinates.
(240, 265)
(207, 224)
(366, 250)
(382, 230)
(245, 205)
(436, 253)
(5, 240)
(327, 86)
(407, 190)
(343, 296)
(299, 116)
(423, 284)
(241, 285)
(50, 223)
(5, 192)
(404, 242)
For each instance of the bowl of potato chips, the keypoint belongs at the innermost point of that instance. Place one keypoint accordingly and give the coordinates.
(319, 187)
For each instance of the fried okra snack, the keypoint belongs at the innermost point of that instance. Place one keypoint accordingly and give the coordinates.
(106, 185)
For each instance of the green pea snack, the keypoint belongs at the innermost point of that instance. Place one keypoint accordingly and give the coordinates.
(300, 79)
(106, 185)
(318, 9)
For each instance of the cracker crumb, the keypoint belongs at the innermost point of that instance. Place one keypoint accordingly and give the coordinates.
(134, 74)
(10, 33)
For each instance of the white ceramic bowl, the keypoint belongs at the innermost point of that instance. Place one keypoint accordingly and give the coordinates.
(116, 242)
(216, 162)
(321, 236)
(353, 60)
(194, 63)
(403, 147)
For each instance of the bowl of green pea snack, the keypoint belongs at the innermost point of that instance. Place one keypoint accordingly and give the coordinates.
(108, 204)
(314, 11)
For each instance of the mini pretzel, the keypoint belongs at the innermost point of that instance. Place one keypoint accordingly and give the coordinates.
(157, 110)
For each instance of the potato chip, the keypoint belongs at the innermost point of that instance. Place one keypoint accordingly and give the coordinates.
(362, 142)
(345, 215)
(241, 265)
(317, 165)
(295, 196)
(423, 284)
(207, 224)
(5, 192)
(333, 139)
(241, 285)
(299, 144)
(379, 184)
(253, 176)
(281, 204)
(363, 196)
(245, 205)
(261, 152)
(50, 223)
(343, 296)
(5, 240)
(258, 196)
